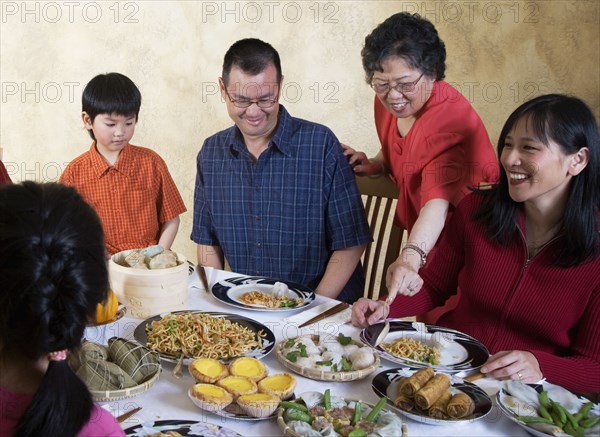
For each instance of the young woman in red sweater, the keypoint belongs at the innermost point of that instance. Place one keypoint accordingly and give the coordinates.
(525, 254)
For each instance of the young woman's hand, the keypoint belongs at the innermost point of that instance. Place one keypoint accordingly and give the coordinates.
(366, 312)
(518, 365)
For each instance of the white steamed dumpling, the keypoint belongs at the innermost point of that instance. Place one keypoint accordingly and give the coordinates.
(336, 359)
(564, 397)
(331, 344)
(349, 348)
(523, 392)
(361, 358)
(303, 428)
(312, 398)
(311, 347)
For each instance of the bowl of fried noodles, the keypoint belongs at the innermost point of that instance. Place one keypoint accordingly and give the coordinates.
(197, 334)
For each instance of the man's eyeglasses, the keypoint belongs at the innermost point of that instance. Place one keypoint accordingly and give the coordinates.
(401, 87)
(246, 103)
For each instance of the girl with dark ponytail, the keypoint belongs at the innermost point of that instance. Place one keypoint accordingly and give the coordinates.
(52, 275)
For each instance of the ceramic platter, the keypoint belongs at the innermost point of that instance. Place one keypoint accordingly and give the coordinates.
(268, 338)
(464, 354)
(229, 292)
(386, 384)
(182, 427)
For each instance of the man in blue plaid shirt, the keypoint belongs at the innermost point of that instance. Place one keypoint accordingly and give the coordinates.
(274, 194)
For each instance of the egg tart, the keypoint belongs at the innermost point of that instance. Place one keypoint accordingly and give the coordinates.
(208, 370)
(281, 385)
(238, 385)
(211, 397)
(249, 367)
(258, 404)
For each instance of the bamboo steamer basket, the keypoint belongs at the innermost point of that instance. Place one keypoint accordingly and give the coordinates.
(147, 293)
(323, 375)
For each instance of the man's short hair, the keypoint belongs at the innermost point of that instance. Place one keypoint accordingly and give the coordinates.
(252, 56)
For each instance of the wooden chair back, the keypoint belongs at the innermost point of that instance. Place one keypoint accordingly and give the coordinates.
(380, 196)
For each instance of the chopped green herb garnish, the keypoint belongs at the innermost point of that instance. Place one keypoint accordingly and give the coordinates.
(292, 356)
(346, 364)
(302, 348)
(343, 340)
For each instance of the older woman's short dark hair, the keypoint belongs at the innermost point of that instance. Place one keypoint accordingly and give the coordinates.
(407, 36)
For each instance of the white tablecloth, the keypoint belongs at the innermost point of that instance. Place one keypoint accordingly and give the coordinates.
(168, 399)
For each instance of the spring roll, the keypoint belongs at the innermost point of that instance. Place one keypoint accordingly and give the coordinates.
(432, 391)
(404, 402)
(439, 407)
(409, 386)
(461, 405)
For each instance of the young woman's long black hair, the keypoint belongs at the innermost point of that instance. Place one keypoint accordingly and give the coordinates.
(570, 123)
(54, 273)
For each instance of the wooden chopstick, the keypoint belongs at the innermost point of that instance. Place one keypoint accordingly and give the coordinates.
(203, 278)
(474, 377)
(330, 312)
(123, 417)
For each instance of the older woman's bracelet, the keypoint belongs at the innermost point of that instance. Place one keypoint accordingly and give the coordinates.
(419, 251)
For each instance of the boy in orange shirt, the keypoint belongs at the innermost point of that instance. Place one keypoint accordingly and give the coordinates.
(129, 186)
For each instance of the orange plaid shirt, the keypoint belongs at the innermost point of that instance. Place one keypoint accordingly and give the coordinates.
(133, 198)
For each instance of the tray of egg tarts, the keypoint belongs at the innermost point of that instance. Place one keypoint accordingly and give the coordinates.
(243, 390)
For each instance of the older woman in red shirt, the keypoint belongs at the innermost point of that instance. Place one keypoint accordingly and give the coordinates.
(433, 143)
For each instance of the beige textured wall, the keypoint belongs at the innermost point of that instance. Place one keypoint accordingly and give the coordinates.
(500, 53)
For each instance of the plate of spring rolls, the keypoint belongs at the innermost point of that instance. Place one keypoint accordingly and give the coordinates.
(416, 344)
(430, 397)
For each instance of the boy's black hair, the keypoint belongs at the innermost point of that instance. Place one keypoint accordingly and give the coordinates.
(111, 93)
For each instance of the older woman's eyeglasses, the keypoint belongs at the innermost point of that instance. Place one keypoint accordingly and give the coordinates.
(401, 87)
(246, 103)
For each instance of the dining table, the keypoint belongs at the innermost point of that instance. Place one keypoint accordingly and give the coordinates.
(168, 398)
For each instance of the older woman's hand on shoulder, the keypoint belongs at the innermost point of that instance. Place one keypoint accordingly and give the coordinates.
(366, 312)
(361, 164)
(518, 365)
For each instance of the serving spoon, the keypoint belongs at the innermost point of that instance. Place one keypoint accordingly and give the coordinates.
(178, 369)
(386, 325)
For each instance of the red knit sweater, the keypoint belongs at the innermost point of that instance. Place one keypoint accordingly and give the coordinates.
(509, 303)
